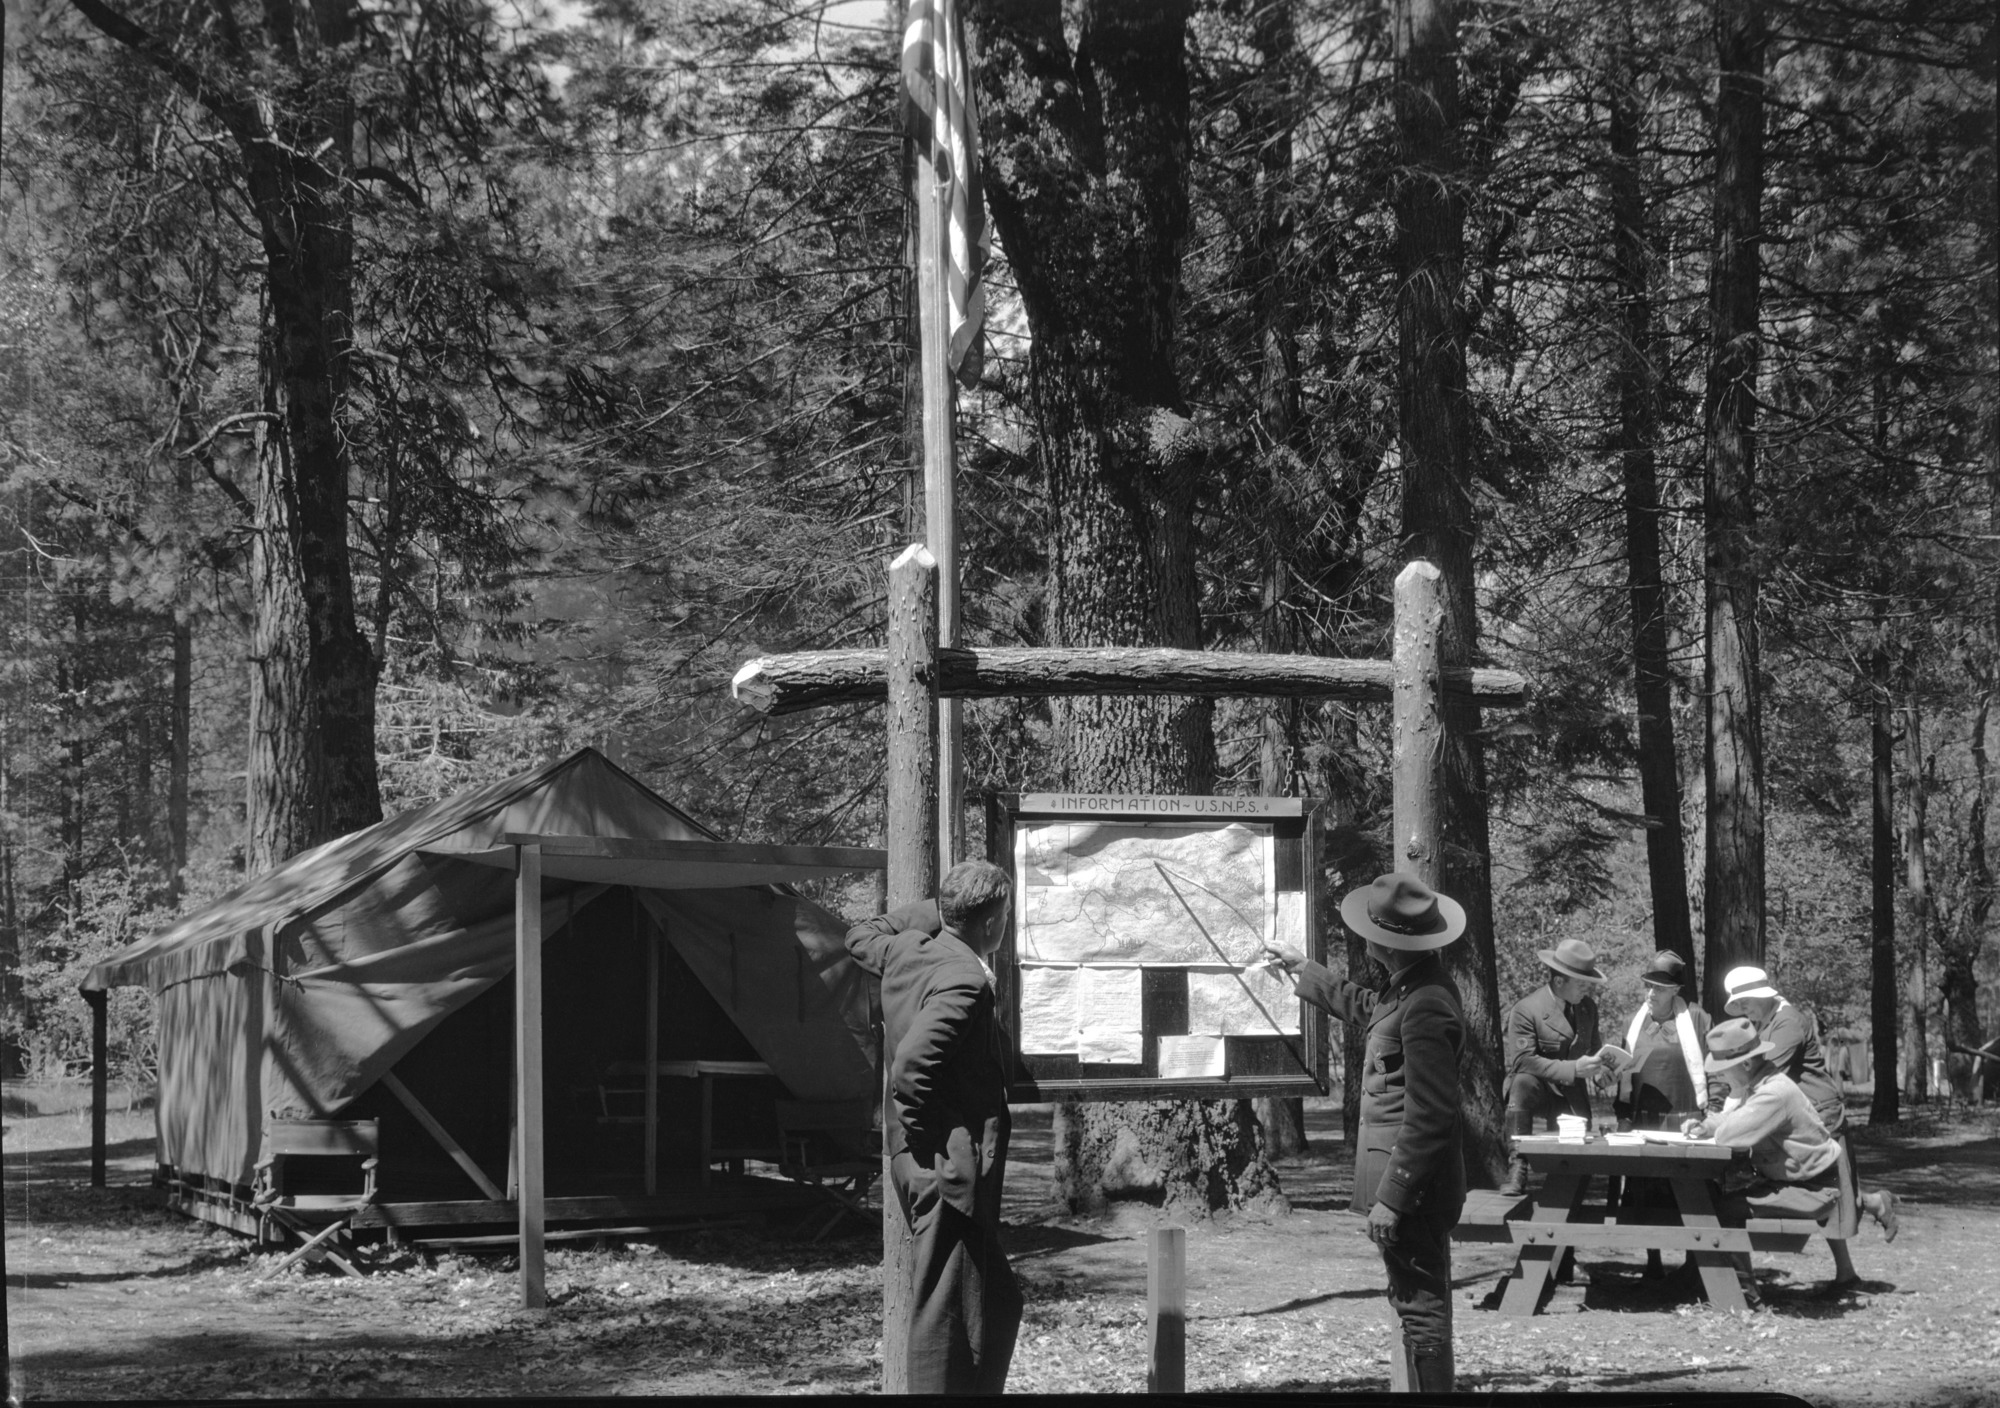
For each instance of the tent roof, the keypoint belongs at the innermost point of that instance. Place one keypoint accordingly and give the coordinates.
(678, 865)
(576, 805)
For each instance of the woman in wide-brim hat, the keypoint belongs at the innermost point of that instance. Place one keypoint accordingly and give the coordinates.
(1552, 1046)
(1662, 1082)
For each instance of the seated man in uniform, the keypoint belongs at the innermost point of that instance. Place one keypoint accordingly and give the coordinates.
(1551, 1042)
(1795, 1158)
(1795, 1050)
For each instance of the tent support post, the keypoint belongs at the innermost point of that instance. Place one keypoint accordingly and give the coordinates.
(528, 1069)
(653, 940)
(99, 1000)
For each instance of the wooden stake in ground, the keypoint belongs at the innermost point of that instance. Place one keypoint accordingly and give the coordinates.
(1166, 1310)
(913, 876)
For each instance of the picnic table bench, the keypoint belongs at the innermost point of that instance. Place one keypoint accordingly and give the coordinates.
(1557, 1217)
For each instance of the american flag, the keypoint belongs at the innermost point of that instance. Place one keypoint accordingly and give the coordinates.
(939, 115)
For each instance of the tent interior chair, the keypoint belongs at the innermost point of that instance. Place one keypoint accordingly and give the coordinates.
(305, 1183)
(832, 1146)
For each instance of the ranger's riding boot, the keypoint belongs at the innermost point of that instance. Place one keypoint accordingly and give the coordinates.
(1519, 1122)
(1434, 1371)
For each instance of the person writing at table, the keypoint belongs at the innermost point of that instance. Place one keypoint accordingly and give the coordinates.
(1664, 1082)
(1795, 1157)
(1795, 1050)
(1409, 1161)
(1551, 1043)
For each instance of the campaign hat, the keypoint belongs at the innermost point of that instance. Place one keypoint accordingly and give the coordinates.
(1397, 910)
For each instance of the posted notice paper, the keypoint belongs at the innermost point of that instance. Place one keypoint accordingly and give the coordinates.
(1109, 1010)
(1048, 1011)
(1218, 1004)
(1192, 1057)
(1092, 1013)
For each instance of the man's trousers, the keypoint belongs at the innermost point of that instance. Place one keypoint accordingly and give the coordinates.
(1419, 1267)
(966, 1304)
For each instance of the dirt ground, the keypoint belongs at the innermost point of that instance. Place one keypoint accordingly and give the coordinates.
(111, 1296)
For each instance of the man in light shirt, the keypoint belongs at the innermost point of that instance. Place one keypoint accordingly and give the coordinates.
(1795, 1050)
(1797, 1161)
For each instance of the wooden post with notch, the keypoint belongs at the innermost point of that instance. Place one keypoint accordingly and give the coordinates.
(1417, 707)
(1166, 1310)
(528, 1071)
(913, 876)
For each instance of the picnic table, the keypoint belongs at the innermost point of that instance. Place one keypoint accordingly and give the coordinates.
(1557, 1216)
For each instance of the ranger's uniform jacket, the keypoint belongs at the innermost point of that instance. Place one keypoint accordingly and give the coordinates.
(1410, 1155)
(1545, 1037)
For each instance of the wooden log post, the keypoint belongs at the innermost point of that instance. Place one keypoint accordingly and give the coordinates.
(1417, 782)
(1416, 768)
(528, 1072)
(1166, 1310)
(940, 485)
(100, 1058)
(789, 684)
(913, 875)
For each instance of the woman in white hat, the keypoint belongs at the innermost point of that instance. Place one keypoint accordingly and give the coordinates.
(1551, 1043)
(1795, 1050)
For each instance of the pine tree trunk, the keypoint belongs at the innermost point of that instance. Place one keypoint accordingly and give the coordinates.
(1272, 112)
(1636, 384)
(1434, 427)
(1087, 181)
(1733, 888)
(1916, 879)
(1886, 1107)
(312, 772)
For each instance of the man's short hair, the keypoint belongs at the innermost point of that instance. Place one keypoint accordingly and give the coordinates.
(969, 891)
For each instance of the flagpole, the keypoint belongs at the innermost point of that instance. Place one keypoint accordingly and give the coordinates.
(940, 486)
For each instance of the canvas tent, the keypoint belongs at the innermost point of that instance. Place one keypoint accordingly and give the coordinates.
(391, 951)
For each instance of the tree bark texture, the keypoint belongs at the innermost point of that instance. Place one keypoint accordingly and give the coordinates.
(1271, 110)
(1886, 1106)
(911, 807)
(1916, 1044)
(1733, 865)
(1087, 153)
(1635, 382)
(1434, 428)
(791, 684)
(283, 98)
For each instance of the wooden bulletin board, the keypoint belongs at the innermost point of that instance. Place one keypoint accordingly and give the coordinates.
(1125, 974)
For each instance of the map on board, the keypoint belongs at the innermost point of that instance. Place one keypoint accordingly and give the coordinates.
(1093, 892)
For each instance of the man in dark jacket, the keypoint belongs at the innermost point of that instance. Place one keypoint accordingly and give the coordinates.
(1409, 1164)
(1551, 1037)
(946, 1126)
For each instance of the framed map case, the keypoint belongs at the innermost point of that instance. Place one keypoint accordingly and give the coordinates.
(1132, 968)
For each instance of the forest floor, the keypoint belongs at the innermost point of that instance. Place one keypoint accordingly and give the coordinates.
(110, 1295)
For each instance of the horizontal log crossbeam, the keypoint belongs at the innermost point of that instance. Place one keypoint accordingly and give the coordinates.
(790, 684)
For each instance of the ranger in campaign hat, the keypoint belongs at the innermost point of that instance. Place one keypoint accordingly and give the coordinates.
(1409, 1161)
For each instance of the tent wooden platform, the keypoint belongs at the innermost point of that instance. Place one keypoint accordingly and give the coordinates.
(673, 1207)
